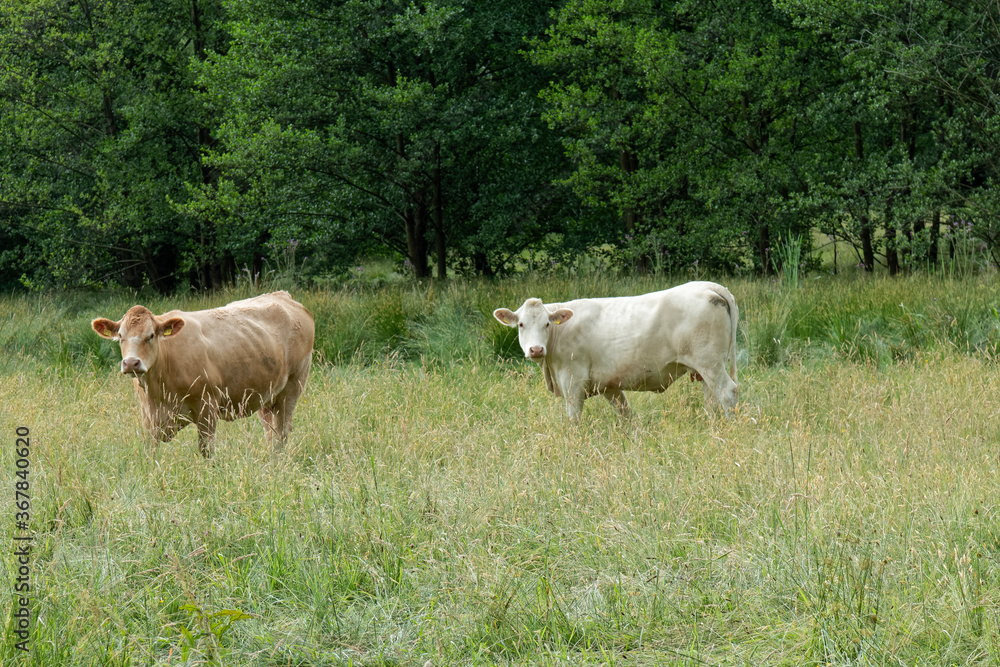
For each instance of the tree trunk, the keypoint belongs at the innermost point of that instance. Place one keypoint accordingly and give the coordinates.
(932, 251)
(161, 269)
(918, 228)
(764, 249)
(416, 237)
(629, 162)
(214, 273)
(867, 249)
(482, 264)
(891, 256)
(415, 221)
(440, 245)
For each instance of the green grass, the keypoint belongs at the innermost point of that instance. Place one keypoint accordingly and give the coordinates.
(434, 504)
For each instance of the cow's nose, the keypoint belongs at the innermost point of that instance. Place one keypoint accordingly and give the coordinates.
(132, 365)
(536, 351)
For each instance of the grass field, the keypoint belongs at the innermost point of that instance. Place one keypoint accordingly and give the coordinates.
(433, 505)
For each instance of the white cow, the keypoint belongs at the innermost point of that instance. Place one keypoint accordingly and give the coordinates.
(638, 343)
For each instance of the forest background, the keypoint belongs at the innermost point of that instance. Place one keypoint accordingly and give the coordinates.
(178, 143)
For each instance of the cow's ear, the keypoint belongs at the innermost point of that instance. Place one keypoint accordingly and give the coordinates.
(105, 328)
(560, 315)
(170, 327)
(505, 316)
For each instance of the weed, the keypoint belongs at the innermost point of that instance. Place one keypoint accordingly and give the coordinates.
(204, 631)
(786, 259)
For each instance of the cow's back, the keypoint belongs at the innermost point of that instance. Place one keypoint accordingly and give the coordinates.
(245, 346)
(628, 342)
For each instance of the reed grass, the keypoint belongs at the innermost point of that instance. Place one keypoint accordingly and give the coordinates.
(880, 320)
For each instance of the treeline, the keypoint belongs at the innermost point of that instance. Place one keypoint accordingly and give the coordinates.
(177, 143)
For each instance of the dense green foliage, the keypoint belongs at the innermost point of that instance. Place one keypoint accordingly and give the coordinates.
(882, 321)
(100, 132)
(179, 143)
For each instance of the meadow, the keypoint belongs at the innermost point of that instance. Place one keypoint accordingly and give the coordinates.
(434, 507)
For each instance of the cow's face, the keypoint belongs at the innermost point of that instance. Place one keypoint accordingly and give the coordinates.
(138, 333)
(534, 322)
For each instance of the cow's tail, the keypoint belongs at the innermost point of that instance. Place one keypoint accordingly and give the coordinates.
(734, 318)
(734, 314)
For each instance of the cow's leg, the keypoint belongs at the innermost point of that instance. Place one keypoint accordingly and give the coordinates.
(618, 401)
(151, 437)
(277, 420)
(711, 401)
(159, 424)
(719, 389)
(574, 404)
(206, 422)
(267, 418)
(277, 417)
(572, 386)
(164, 432)
(285, 422)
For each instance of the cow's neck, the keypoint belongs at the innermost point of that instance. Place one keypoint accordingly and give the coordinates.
(152, 383)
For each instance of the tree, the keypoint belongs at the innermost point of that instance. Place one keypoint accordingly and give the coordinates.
(913, 144)
(99, 132)
(688, 118)
(365, 123)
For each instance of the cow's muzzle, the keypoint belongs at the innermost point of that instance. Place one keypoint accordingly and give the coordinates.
(133, 366)
(536, 352)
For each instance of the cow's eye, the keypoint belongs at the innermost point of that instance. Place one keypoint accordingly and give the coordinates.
(151, 336)
(521, 325)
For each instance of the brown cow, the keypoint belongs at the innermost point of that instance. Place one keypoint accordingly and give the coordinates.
(245, 357)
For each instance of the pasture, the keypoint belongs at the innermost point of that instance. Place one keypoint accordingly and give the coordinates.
(433, 505)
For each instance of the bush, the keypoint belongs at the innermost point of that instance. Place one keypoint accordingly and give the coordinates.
(873, 321)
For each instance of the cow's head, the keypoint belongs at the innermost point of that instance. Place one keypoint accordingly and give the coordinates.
(138, 333)
(533, 321)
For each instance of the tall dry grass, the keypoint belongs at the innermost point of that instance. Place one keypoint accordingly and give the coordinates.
(434, 504)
